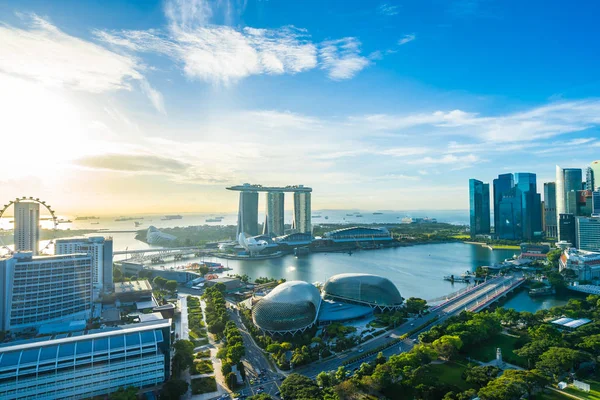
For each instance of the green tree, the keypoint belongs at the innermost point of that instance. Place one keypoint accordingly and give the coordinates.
(296, 387)
(447, 346)
(553, 256)
(262, 396)
(481, 375)
(235, 353)
(325, 380)
(173, 389)
(341, 373)
(171, 286)
(591, 344)
(159, 282)
(558, 360)
(274, 348)
(220, 286)
(231, 380)
(203, 270)
(414, 305)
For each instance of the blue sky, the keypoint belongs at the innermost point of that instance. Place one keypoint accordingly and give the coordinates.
(376, 105)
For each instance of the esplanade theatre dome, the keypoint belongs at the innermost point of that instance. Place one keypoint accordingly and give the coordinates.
(290, 307)
(373, 290)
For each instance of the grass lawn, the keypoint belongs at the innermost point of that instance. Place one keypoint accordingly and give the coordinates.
(550, 395)
(204, 385)
(203, 354)
(464, 237)
(487, 351)
(505, 247)
(202, 367)
(451, 373)
(594, 393)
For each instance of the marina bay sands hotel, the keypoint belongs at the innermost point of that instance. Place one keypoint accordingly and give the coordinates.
(274, 221)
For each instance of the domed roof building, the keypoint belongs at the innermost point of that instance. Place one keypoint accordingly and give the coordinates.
(372, 290)
(291, 307)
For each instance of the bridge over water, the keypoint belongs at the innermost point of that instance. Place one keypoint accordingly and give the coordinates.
(158, 254)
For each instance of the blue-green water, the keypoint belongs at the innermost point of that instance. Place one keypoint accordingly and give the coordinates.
(416, 271)
(523, 302)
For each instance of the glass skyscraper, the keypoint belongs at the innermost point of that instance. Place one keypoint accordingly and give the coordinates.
(248, 214)
(566, 228)
(510, 214)
(567, 179)
(550, 209)
(530, 205)
(502, 184)
(274, 220)
(479, 207)
(588, 233)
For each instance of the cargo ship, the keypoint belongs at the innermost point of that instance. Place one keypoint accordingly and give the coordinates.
(170, 217)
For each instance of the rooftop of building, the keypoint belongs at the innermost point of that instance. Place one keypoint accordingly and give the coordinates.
(27, 256)
(132, 287)
(76, 336)
(247, 187)
(571, 323)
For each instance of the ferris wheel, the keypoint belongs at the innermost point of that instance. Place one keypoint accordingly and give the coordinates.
(52, 218)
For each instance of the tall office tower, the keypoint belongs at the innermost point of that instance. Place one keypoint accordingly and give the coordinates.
(531, 204)
(566, 229)
(248, 213)
(510, 214)
(550, 209)
(595, 166)
(479, 207)
(39, 290)
(588, 233)
(87, 364)
(584, 203)
(502, 184)
(101, 251)
(596, 202)
(571, 199)
(302, 212)
(274, 219)
(567, 179)
(27, 226)
(589, 178)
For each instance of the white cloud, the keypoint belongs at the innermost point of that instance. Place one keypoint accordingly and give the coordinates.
(43, 53)
(341, 58)
(407, 38)
(387, 9)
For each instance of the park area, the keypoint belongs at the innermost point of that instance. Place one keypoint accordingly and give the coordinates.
(486, 352)
(593, 394)
(204, 385)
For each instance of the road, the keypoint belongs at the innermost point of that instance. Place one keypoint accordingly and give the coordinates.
(448, 309)
(255, 363)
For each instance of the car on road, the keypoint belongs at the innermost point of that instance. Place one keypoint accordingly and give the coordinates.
(412, 324)
(361, 350)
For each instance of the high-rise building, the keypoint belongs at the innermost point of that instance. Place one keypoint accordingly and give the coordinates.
(248, 213)
(550, 209)
(38, 290)
(588, 233)
(566, 229)
(567, 179)
(502, 184)
(531, 204)
(510, 214)
(595, 166)
(596, 202)
(85, 365)
(27, 226)
(479, 207)
(101, 251)
(302, 212)
(274, 219)
(589, 178)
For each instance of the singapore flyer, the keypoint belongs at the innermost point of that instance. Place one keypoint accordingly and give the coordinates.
(52, 221)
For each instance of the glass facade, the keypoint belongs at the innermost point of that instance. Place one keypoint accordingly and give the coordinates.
(531, 205)
(40, 290)
(502, 184)
(358, 234)
(290, 307)
(567, 231)
(588, 233)
(274, 223)
(550, 209)
(479, 207)
(372, 290)
(248, 214)
(85, 366)
(510, 224)
(596, 202)
(302, 212)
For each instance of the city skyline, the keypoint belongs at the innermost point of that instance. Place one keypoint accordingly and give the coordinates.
(172, 103)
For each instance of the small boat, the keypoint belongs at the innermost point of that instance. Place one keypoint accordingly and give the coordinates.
(94, 223)
(137, 223)
(212, 220)
(358, 216)
(377, 213)
(170, 217)
(326, 217)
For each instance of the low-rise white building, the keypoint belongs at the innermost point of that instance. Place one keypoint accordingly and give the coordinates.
(586, 264)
